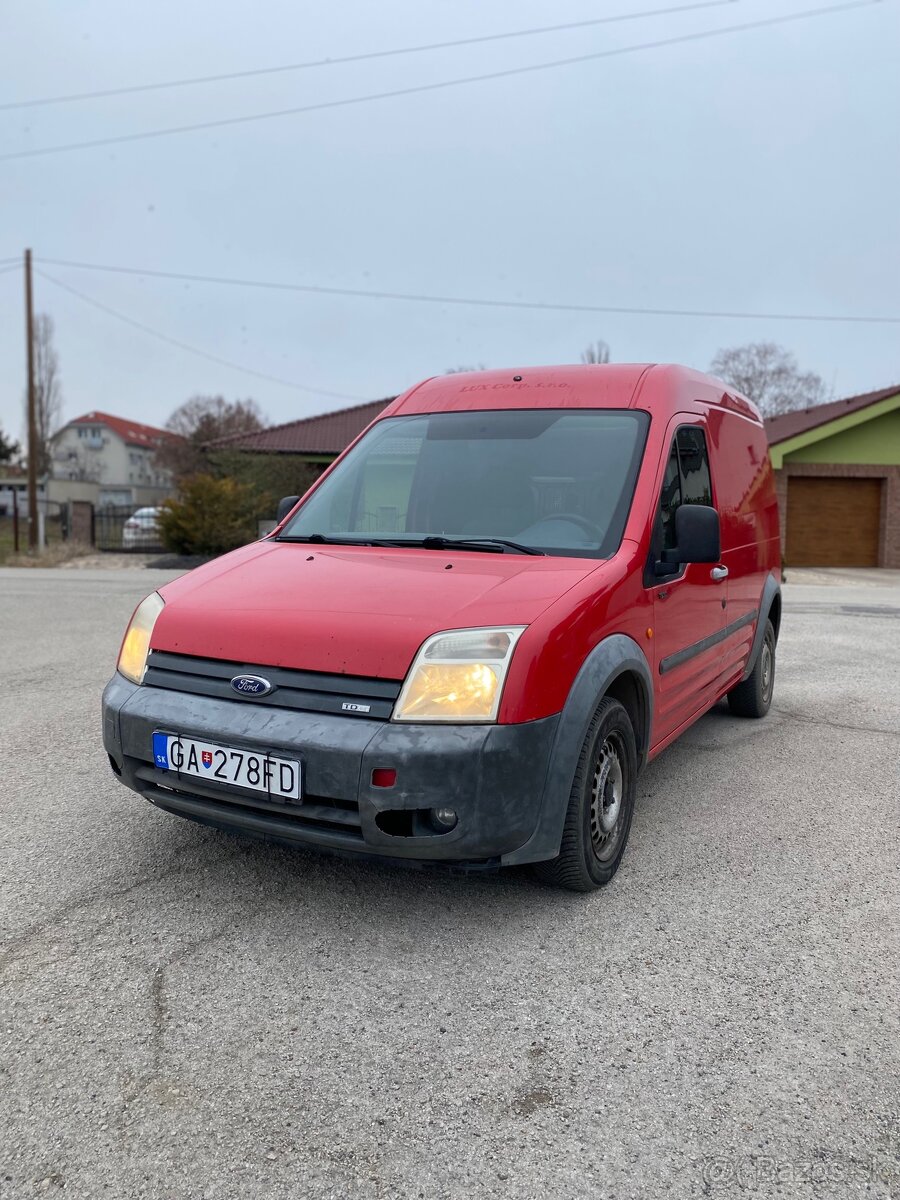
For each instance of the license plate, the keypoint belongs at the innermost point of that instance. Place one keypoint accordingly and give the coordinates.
(278, 777)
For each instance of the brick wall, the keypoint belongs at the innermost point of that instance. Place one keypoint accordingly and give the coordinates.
(889, 542)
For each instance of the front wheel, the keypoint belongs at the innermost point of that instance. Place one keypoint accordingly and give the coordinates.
(601, 804)
(753, 697)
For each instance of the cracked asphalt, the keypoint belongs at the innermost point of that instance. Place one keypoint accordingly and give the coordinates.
(185, 1014)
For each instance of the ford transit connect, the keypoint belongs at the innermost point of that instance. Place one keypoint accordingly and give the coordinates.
(464, 642)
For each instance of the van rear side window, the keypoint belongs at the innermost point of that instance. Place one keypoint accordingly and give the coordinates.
(557, 480)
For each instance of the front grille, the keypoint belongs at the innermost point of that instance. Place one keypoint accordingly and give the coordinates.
(339, 817)
(306, 691)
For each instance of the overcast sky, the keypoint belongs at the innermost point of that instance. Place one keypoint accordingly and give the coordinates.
(757, 171)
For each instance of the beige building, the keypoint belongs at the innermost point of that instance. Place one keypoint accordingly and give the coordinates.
(108, 460)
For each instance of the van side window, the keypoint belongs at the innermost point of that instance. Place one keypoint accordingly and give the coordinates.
(670, 500)
(686, 481)
(695, 484)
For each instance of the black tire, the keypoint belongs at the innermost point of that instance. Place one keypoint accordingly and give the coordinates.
(753, 697)
(603, 791)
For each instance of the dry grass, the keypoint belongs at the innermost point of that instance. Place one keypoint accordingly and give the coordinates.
(55, 555)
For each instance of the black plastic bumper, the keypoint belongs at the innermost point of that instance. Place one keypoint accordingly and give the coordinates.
(493, 776)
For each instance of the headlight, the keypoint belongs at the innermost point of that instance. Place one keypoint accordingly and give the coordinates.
(136, 643)
(458, 676)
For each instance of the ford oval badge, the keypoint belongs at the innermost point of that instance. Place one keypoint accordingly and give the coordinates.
(251, 685)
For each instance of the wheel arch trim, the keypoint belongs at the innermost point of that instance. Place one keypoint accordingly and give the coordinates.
(771, 594)
(615, 656)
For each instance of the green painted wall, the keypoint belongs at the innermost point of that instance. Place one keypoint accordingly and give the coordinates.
(875, 442)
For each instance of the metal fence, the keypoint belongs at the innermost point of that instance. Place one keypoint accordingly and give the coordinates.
(125, 528)
(53, 526)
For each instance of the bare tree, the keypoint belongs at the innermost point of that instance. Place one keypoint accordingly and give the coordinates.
(47, 393)
(769, 375)
(596, 352)
(199, 422)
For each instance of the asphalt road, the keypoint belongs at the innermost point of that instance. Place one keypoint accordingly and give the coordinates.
(185, 1014)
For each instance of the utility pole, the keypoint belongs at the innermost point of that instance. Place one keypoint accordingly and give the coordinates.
(32, 415)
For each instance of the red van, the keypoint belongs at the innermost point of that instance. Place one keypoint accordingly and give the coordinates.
(464, 642)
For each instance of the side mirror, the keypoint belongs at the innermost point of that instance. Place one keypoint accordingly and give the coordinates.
(284, 507)
(696, 535)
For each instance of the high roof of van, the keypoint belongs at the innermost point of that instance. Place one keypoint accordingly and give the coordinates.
(661, 388)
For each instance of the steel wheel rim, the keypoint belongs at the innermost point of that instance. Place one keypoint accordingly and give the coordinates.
(766, 669)
(607, 797)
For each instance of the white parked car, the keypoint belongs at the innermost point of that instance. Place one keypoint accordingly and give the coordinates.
(141, 530)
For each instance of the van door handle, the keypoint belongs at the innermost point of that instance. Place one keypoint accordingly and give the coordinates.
(718, 574)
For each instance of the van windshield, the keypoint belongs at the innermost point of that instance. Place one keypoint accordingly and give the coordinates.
(557, 481)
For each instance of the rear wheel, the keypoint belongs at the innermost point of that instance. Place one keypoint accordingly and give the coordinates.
(601, 804)
(753, 697)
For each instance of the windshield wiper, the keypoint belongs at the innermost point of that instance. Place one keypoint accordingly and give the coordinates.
(322, 539)
(490, 544)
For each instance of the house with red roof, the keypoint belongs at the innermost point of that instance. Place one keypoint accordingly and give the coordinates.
(314, 440)
(108, 460)
(837, 468)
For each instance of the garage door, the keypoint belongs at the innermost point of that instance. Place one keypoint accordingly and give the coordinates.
(833, 522)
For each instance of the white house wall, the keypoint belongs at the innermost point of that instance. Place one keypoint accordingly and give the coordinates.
(94, 463)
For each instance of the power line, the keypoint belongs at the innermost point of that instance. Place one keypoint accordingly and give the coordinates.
(199, 126)
(10, 267)
(422, 298)
(355, 58)
(164, 337)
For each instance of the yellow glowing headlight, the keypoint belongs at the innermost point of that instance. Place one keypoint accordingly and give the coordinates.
(136, 643)
(458, 676)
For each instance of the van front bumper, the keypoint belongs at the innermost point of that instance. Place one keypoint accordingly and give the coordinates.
(492, 776)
